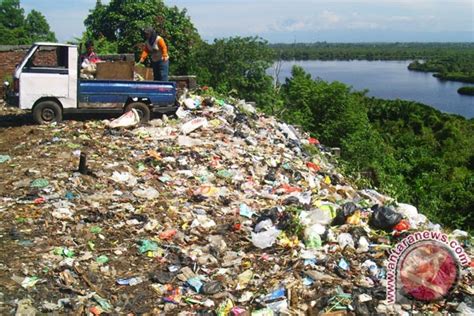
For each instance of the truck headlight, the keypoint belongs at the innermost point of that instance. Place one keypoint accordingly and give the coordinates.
(6, 84)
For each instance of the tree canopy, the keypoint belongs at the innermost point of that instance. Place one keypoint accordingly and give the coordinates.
(122, 22)
(15, 29)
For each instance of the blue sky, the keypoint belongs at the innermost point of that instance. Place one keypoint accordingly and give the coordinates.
(298, 20)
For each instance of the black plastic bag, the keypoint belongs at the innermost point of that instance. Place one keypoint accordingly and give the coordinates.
(384, 218)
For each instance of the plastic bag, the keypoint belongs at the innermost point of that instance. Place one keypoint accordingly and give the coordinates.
(411, 213)
(384, 218)
(344, 240)
(182, 113)
(289, 131)
(124, 177)
(129, 119)
(363, 245)
(407, 210)
(193, 125)
(321, 215)
(192, 103)
(4, 158)
(266, 238)
(246, 107)
(149, 193)
(185, 141)
(313, 236)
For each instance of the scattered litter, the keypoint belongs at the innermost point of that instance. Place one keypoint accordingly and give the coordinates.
(217, 211)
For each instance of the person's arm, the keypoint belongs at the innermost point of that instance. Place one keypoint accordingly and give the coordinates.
(163, 48)
(144, 54)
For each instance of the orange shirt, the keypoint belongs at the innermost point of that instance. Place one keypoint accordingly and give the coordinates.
(159, 50)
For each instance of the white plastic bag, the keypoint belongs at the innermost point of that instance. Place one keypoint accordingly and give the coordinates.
(411, 213)
(148, 193)
(124, 177)
(344, 240)
(182, 113)
(193, 125)
(128, 119)
(265, 239)
(363, 245)
(185, 141)
(192, 103)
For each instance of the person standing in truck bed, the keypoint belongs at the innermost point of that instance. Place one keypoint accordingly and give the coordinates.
(156, 46)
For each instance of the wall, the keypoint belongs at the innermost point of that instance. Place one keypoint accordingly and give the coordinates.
(9, 57)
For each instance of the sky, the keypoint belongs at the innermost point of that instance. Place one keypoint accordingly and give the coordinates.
(291, 21)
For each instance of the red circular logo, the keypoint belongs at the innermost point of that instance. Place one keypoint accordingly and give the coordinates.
(428, 271)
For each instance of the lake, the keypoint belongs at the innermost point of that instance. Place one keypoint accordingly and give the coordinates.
(389, 80)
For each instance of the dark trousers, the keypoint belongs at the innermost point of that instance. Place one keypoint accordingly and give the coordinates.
(160, 70)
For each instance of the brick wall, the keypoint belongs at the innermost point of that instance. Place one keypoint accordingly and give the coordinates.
(9, 57)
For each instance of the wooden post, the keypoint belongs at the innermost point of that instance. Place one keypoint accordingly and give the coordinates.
(83, 164)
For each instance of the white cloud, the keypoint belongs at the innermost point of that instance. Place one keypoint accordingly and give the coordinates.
(329, 17)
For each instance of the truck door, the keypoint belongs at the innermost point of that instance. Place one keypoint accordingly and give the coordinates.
(45, 74)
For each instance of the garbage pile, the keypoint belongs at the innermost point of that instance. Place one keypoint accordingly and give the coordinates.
(219, 211)
(88, 70)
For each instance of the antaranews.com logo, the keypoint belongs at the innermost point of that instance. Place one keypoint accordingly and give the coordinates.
(424, 266)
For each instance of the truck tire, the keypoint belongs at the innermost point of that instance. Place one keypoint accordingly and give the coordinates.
(47, 112)
(142, 109)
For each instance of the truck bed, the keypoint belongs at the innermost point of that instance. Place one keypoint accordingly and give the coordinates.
(113, 94)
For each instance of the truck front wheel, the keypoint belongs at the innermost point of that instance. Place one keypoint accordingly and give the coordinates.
(142, 109)
(47, 112)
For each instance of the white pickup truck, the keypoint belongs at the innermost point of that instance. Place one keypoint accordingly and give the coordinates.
(50, 87)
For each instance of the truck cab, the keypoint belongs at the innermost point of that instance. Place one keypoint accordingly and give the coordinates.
(47, 82)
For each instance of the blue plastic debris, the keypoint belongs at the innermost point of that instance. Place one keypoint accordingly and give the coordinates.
(308, 281)
(343, 264)
(195, 283)
(246, 211)
(280, 293)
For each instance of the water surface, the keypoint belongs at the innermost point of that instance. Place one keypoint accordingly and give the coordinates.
(389, 80)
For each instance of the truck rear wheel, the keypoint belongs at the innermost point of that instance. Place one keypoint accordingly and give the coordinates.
(142, 109)
(47, 112)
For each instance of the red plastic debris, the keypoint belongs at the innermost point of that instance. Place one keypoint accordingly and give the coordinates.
(95, 310)
(286, 188)
(39, 200)
(402, 225)
(313, 141)
(167, 235)
(312, 166)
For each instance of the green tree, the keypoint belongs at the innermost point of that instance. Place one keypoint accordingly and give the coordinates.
(12, 20)
(11, 14)
(38, 27)
(236, 64)
(330, 110)
(122, 22)
(16, 30)
(16, 36)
